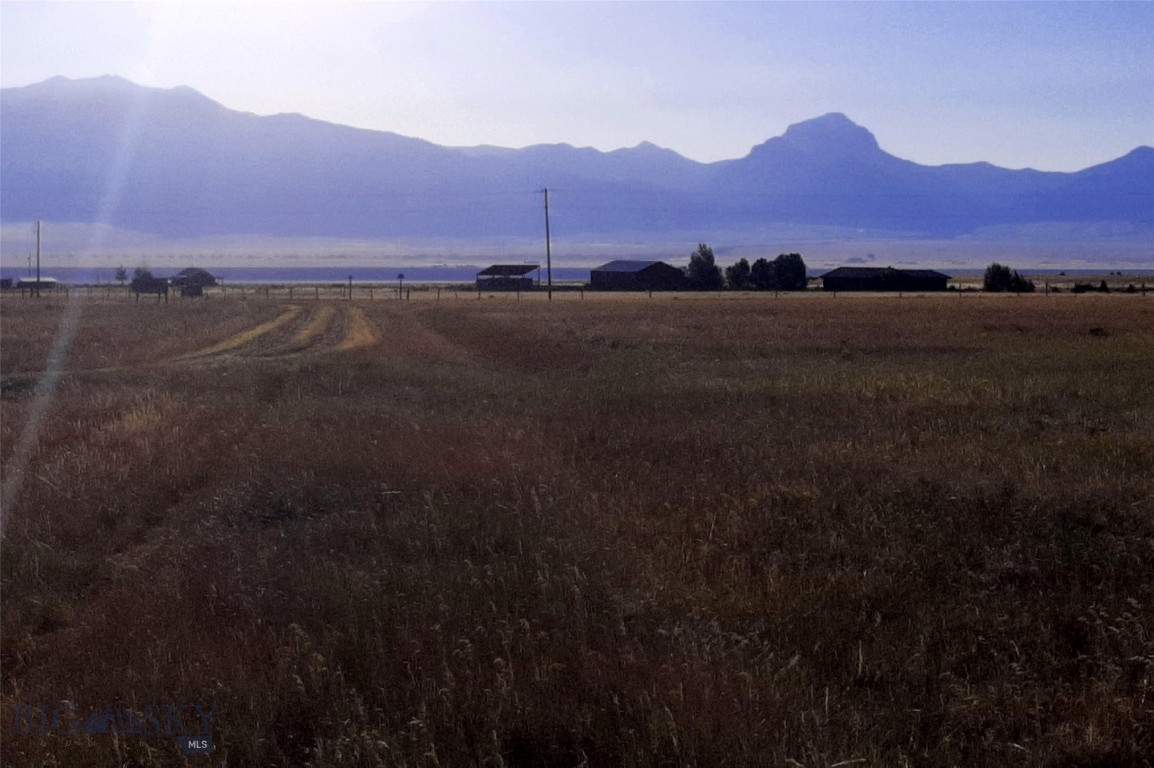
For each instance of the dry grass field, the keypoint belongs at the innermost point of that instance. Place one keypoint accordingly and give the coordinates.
(602, 531)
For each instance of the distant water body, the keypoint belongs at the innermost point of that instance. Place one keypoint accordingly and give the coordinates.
(322, 275)
(444, 275)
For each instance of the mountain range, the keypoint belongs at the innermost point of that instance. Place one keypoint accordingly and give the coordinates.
(174, 163)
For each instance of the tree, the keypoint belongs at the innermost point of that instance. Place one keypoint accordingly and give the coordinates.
(1001, 279)
(737, 276)
(703, 273)
(785, 273)
(762, 275)
(144, 272)
(789, 271)
(121, 274)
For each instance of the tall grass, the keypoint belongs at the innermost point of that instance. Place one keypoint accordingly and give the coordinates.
(600, 532)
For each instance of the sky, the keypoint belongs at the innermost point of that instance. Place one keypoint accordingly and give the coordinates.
(1047, 85)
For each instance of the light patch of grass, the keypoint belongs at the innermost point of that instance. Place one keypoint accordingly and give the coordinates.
(360, 331)
(317, 324)
(244, 337)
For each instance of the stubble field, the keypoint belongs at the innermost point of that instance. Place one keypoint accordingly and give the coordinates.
(610, 531)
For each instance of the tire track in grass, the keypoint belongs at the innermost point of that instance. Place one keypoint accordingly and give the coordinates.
(315, 330)
(359, 331)
(244, 337)
(318, 323)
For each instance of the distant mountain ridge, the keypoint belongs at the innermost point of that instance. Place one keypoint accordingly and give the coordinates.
(175, 163)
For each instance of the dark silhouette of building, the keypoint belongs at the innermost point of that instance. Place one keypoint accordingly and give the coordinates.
(506, 277)
(884, 279)
(192, 281)
(628, 275)
(193, 276)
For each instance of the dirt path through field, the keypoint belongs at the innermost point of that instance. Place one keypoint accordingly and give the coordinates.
(244, 337)
(298, 330)
(359, 331)
(317, 324)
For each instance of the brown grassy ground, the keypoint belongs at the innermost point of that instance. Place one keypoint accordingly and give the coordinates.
(610, 531)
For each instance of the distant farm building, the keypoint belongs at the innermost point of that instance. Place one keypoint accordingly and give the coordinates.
(506, 277)
(31, 283)
(145, 282)
(630, 275)
(884, 279)
(192, 281)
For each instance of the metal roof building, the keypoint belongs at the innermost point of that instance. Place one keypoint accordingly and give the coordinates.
(635, 275)
(883, 279)
(506, 277)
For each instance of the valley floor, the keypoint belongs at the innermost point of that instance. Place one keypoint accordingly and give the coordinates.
(602, 530)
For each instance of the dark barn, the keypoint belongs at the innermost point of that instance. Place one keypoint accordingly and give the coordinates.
(193, 276)
(627, 275)
(506, 277)
(884, 279)
(192, 281)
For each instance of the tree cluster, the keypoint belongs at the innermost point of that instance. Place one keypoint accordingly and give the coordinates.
(1001, 279)
(784, 273)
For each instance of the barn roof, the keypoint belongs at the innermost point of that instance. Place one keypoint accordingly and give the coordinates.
(628, 265)
(508, 270)
(193, 271)
(874, 272)
(924, 273)
(860, 272)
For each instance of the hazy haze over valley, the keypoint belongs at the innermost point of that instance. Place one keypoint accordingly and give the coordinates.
(423, 133)
(133, 170)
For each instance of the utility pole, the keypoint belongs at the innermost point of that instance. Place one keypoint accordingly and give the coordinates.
(37, 258)
(548, 246)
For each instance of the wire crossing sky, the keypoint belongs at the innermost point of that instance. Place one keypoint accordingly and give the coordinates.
(1048, 85)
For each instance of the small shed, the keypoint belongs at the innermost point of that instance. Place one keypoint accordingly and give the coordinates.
(506, 277)
(884, 279)
(634, 275)
(31, 283)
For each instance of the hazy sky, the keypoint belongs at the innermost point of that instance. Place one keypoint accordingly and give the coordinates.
(1049, 85)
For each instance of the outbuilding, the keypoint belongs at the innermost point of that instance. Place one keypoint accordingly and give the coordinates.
(634, 275)
(33, 284)
(193, 276)
(506, 277)
(192, 281)
(884, 279)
